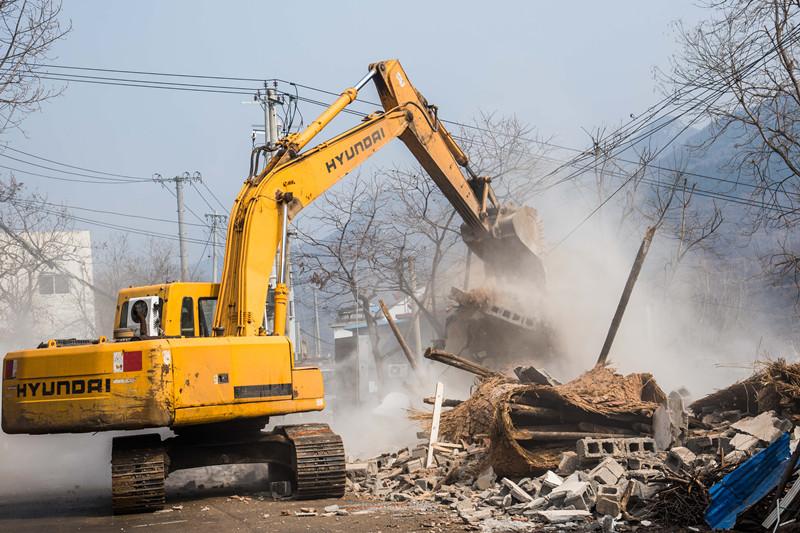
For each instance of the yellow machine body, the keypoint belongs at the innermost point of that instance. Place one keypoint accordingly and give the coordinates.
(170, 381)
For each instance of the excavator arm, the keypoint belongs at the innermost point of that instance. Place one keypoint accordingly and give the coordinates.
(293, 178)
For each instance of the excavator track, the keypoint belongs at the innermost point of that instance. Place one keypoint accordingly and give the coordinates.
(138, 471)
(319, 461)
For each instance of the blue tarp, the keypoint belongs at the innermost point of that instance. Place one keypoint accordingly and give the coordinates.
(747, 485)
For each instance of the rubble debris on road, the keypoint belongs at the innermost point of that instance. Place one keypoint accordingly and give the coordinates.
(585, 455)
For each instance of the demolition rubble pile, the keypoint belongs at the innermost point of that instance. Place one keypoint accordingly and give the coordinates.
(602, 448)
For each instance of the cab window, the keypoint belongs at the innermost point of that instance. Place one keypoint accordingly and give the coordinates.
(123, 315)
(205, 313)
(187, 317)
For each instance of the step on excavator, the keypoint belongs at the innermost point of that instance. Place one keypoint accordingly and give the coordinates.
(202, 360)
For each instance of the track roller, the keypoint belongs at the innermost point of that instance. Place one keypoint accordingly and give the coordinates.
(319, 461)
(138, 470)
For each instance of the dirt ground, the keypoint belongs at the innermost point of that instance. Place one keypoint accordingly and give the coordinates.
(224, 513)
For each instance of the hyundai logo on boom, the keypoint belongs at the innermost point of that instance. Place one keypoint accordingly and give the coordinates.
(361, 146)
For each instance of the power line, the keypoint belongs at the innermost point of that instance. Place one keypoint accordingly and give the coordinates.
(214, 196)
(116, 213)
(73, 180)
(148, 73)
(108, 225)
(137, 178)
(67, 171)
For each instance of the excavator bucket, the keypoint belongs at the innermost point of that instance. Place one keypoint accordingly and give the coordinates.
(511, 250)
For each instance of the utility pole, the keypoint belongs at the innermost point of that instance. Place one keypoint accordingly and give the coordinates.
(269, 100)
(316, 323)
(179, 181)
(215, 220)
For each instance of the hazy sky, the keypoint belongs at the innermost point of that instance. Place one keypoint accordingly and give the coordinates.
(558, 66)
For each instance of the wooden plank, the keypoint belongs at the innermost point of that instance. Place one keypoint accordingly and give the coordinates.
(437, 414)
(527, 434)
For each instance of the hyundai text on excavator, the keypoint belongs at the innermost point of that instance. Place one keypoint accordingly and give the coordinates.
(199, 358)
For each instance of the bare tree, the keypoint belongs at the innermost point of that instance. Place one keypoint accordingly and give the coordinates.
(28, 29)
(741, 65)
(120, 264)
(37, 240)
(340, 239)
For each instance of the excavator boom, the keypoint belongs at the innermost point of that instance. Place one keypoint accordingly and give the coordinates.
(293, 179)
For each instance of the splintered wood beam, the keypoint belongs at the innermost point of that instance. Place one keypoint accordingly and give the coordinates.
(447, 402)
(456, 361)
(400, 340)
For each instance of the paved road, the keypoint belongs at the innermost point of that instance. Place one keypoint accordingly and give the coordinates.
(199, 514)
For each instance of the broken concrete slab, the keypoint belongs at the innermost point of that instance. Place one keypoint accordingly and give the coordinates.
(744, 442)
(765, 427)
(560, 516)
(516, 491)
(569, 463)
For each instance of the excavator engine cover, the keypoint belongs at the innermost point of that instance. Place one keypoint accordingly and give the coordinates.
(511, 250)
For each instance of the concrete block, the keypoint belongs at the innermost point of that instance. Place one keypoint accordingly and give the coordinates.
(644, 491)
(607, 472)
(356, 471)
(644, 462)
(680, 459)
(645, 474)
(590, 450)
(608, 506)
(550, 479)
(516, 491)
(568, 464)
(580, 496)
(413, 465)
(701, 444)
(611, 491)
(644, 445)
(419, 452)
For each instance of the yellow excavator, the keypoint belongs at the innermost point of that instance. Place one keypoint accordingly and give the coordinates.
(200, 358)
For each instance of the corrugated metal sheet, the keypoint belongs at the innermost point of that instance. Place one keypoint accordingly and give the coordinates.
(747, 485)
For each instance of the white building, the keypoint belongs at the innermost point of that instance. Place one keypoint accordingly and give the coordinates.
(50, 295)
(65, 293)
